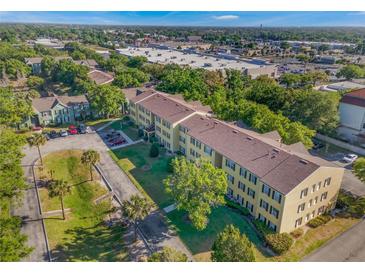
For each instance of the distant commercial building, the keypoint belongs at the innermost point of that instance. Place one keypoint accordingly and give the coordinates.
(283, 186)
(340, 86)
(161, 56)
(352, 116)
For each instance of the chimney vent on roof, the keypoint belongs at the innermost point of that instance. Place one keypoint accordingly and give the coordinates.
(276, 150)
(234, 131)
(215, 122)
(249, 138)
(303, 161)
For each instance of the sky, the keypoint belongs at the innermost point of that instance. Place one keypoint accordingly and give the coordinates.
(180, 18)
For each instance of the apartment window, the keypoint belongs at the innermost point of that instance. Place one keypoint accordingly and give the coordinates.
(310, 203)
(168, 145)
(239, 199)
(198, 144)
(298, 222)
(301, 207)
(307, 218)
(262, 218)
(192, 141)
(192, 152)
(230, 179)
(158, 128)
(208, 150)
(252, 178)
(323, 196)
(313, 188)
(230, 192)
(243, 172)
(264, 205)
(197, 155)
(274, 212)
(319, 185)
(271, 225)
(148, 112)
(230, 164)
(251, 192)
(182, 129)
(266, 190)
(166, 124)
(321, 210)
(327, 182)
(249, 206)
(241, 186)
(182, 139)
(304, 193)
(276, 196)
(158, 119)
(315, 200)
(182, 150)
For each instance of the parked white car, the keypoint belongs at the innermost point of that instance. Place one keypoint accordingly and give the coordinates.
(63, 133)
(350, 158)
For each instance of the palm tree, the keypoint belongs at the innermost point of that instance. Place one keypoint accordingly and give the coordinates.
(37, 140)
(90, 158)
(59, 188)
(136, 210)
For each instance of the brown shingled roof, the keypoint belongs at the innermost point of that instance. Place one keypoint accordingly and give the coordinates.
(166, 108)
(47, 103)
(275, 166)
(356, 98)
(143, 95)
(100, 77)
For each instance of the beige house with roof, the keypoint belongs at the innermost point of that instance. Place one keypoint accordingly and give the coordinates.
(57, 110)
(283, 186)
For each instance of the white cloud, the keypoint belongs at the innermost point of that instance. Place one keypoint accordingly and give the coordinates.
(226, 17)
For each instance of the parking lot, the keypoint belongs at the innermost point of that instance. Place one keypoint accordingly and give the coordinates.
(335, 155)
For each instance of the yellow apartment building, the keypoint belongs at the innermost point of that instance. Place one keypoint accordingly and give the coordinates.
(283, 186)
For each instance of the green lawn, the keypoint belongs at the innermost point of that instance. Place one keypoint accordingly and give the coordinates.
(149, 172)
(83, 235)
(200, 242)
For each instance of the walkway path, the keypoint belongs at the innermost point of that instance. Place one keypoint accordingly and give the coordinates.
(155, 226)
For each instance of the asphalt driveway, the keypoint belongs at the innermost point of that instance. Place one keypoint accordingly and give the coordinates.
(154, 227)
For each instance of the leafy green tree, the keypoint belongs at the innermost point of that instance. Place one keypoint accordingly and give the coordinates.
(48, 64)
(359, 169)
(290, 79)
(59, 188)
(89, 158)
(66, 71)
(154, 150)
(303, 58)
(106, 99)
(13, 244)
(168, 254)
(196, 188)
(350, 71)
(232, 246)
(37, 140)
(130, 77)
(13, 108)
(78, 55)
(16, 69)
(136, 209)
(137, 62)
(12, 181)
(35, 82)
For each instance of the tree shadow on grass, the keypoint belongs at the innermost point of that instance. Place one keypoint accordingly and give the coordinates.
(96, 243)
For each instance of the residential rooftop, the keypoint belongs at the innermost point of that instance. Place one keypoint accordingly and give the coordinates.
(281, 167)
(356, 98)
(100, 77)
(47, 103)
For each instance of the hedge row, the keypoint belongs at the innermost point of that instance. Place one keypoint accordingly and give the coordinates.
(279, 243)
(318, 221)
(234, 205)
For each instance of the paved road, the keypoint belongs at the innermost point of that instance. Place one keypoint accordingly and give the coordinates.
(154, 225)
(348, 247)
(32, 226)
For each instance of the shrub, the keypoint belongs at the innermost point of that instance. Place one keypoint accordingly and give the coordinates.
(154, 150)
(140, 132)
(279, 243)
(297, 233)
(234, 205)
(169, 166)
(320, 220)
(262, 228)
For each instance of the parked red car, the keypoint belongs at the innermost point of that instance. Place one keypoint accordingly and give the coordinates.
(72, 130)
